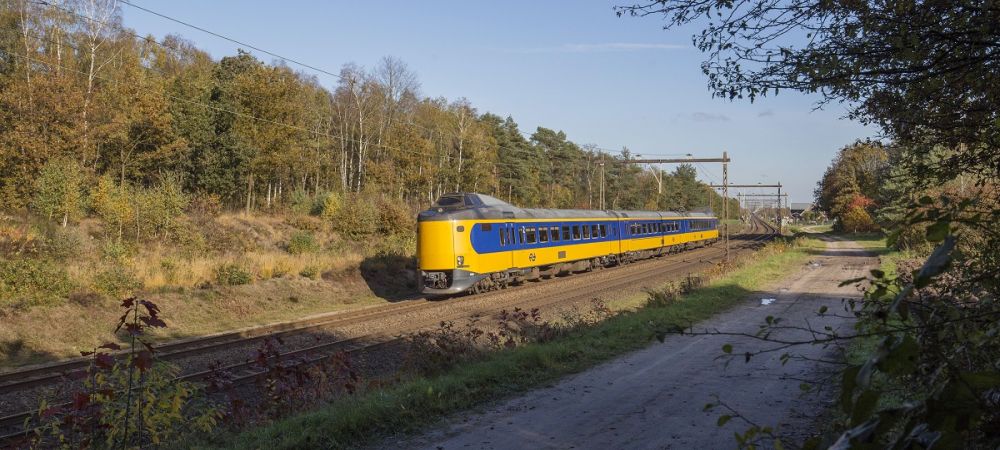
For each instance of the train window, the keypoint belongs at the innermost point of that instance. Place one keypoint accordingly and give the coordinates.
(543, 234)
(595, 231)
(521, 232)
(503, 238)
(586, 232)
(555, 234)
(565, 230)
(604, 230)
(645, 228)
(530, 234)
(632, 229)
(487, 227)
(576, 232)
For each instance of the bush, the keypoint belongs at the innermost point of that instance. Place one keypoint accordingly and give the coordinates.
(307, 204)
(207, 205)
(232, 274)
(63, 243)
(302, 242)
(117, 282)
(116, 251)
(357, 218)
(28, 282)
(332, 204)
(394, 218)
(310, 272)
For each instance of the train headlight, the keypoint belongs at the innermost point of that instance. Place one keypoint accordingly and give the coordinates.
(460, 260)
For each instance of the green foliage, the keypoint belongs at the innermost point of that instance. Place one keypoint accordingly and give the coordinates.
(59, 190)
(63, 243)
(27, 282)
(128, 401)
(357, 218)
(332, 203)
(232, 274)
(302, 242)
(111, 203)
(117, 281)
(309, 271)
(394, 218)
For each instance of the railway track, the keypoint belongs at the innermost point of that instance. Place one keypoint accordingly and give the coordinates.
(244, 372)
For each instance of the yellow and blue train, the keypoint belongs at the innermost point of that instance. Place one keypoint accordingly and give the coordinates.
(474, 242)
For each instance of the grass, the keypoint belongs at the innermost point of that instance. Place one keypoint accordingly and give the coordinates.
(409, 405)
(183, 283)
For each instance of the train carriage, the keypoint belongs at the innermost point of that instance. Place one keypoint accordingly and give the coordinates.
(474, 242)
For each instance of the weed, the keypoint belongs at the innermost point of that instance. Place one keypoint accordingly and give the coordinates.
(302, 242)
(117, 281)
(27, 282)
(127, 402)
(310, 272)
(232, 274)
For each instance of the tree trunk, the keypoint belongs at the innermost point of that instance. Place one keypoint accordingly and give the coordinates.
(249, 192)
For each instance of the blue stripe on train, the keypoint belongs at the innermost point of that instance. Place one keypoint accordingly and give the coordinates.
(486, 237)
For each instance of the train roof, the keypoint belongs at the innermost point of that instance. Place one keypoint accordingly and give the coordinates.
(471, 206)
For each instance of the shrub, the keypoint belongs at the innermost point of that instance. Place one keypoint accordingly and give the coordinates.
(63, 243)
(332, 204)
(116, 251)
(394, 218)
(310, 272)
(306, 204)
(302, 242)
(59, 190)
(116, 282)
(357, 217)
(232, 274)
(207, 205)
(28, 282)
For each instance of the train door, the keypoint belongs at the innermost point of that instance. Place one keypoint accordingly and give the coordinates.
(511, 236)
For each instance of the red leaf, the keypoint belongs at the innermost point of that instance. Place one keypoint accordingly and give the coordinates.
(111, 346)
(133, 329)
(143, 360)
(153, 321)
(128, 302)
(151, 307)
(104, 361)
(86, 353)
(80, 400)
(49, 412)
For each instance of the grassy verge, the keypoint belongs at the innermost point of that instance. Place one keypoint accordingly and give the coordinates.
(417, 402)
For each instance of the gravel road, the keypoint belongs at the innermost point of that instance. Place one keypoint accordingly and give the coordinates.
(654, 398)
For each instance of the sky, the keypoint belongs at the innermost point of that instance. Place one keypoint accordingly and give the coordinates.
(567, 65)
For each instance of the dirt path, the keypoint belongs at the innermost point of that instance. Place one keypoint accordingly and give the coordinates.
(654, 398)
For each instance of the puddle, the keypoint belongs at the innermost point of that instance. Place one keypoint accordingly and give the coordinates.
(784, 289)
(814, 264)
(766, 301)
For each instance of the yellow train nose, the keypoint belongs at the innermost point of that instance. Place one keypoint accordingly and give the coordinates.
(435, 247)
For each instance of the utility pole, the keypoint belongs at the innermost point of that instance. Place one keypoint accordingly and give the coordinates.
(602, 182)
(779, 209)
(725, 198)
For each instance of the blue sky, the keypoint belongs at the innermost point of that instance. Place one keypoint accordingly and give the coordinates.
(571, 66)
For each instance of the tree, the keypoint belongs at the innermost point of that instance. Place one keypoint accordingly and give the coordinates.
(926, 72)
(59, 190)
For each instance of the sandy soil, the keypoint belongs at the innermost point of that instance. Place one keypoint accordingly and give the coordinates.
(654, 398)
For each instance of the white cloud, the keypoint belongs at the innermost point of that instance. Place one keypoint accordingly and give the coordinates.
(708, 117)
(766, 113)
(603, 47)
